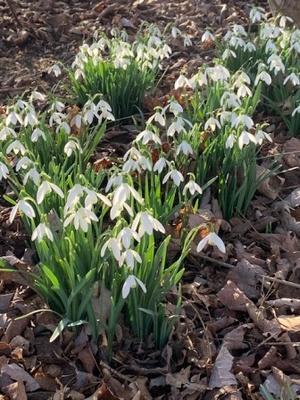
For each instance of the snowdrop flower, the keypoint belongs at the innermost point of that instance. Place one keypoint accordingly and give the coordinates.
(36, 134)
(256, 15)
(244, 91)
(239, 30)
(230, 141)
(296, 111)
(230, 100)
(3, 171)
(146, 224)
(81, 218)
(264, 77)
(30, 118)
(114, 245)
(57, 106)
(6, 132)
(176, 126)
(276, 64)
(130, 257)
(55, 69)
(218, 73)
(114, 181)
(175, 108)
(21, 104)
(45, 188)
(131, 283)
(176, 177)
(244, 120)
(241, 79)
(126, 235)
(17, 147)
(41, 231)
(182, 82)
(147, 136)
(76, 121)
(245, 138)
(211, 239)
(34, 175)
(175, 32)
(71, 147)
(261, 136)
(227, 54)
(212, 124)
(93, 197)
(185, 148)
(121, 195)
(270, 47)
(73, 197)
(227, 116)
(157, 117)
(187, 41)
(160, 165)
(56, 118)
(13, 118)
(64, 127)
(24, 207)
(23, 163)
(250, 47)
(35, 95)
(192, 187)
(293, 78)
(207, 37)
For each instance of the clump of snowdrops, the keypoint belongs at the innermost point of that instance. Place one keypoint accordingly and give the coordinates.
(118, 70)
(268, 52)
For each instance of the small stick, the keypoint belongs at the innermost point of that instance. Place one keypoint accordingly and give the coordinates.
(116, 373)
(12, 89)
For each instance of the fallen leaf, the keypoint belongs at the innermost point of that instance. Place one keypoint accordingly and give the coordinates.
(19, 374)
(233, 298)
(16, 391)
(290, 323)
(221, 373)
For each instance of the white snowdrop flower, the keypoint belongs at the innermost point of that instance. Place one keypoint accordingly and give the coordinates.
(36, 134)
(192, 187)
(3, 171)
(261, 136)
(239, 30)
(230, 141)
(296, 47)
(74, 195)
(5, 132)
(270, 47)
(275, 63)
(182, 82)
(114, 181)
(78, 74)
(226, 116)
(175, 32)
(200, 79)
(264, 77)
(237, 42)
(130, 257)
(93, 198)
(176, 177)
(81, 219)
(296, 111)
(21, 104)
(147, 136)
(283, 21)
(245, 138)
(114, 245)
(212, 239)
(185, 148)
(56, 118)
(64, 127)
(71, 146)
(54, 69)
(30, 119)
(23, 163)
(244, 91)
(76, 121)
(146, 223)
(243, 120)
(230, 100)
(228, 53)
(218, 73)
(121, 195)
(24, 207)
(157, 117)
(57, 106)
(160, 165)
(45, 188)
(126, 235)
(176, 126)
(41, 231)
(13, 118)
(250, 47)
(207, 37)
(35, 95)
(34, 175)
(175, 108)
(241, 79)
(257, 15)
(106, 111)
(16, 147)
(187, 41)
(131, 283)
(293, 78)
(212, 124)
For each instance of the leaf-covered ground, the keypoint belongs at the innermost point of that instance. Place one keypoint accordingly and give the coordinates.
(240, 321)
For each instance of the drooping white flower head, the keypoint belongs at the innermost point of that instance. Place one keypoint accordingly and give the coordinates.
(81, 219)
(45, 188)
(185, 148)
(211, 239)
(245, 138)
(71, 146)
(192, 187)
(54, 69)
(16, 147)
(175, 176)
(146, 223)
(23, 163)
(3, 171)
(41, 231)
(131, 283)
(24, 207)
(36, 134)
(207, 37)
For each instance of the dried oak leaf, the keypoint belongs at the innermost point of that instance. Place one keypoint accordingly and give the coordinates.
(221, 373)
(290, 323)
(16, 373)
(233, 298)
